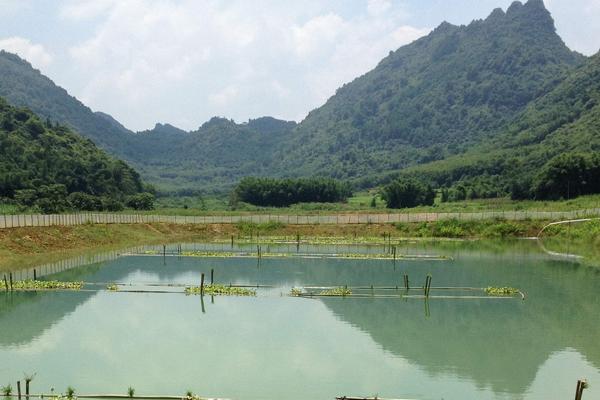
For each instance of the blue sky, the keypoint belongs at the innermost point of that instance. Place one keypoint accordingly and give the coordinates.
(184, 61)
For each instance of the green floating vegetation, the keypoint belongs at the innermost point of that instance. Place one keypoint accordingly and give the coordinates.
(113, 287)
(220, 290)
(46, 285)
(6, 390)
(339, 291)
(296, 292)
(208, 254)
(501, 291)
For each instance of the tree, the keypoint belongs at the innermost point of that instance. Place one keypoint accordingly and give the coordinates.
(141, 201)
(407, 193)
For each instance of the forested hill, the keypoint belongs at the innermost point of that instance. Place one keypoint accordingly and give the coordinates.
(473, 89)
(24, 86)
(49, 166)
(435, 97)
(561, 127)
(212, 158)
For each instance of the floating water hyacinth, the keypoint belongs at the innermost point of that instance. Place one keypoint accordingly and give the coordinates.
(46, 285)
(220, 290)
(501, 291)
(340, 291)
(113, 287)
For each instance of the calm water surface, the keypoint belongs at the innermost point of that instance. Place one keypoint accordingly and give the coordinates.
(276, 347)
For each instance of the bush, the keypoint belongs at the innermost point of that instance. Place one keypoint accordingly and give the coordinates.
(84, 202)
(406, 193)
(112, 204)
(142, 201)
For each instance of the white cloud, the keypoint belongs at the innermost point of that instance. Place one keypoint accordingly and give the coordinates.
(378, 7)
(85, 9)
(151, 61)
(36, 54)
(224, 97)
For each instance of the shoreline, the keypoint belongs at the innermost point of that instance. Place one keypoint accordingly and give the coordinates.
(25, 247)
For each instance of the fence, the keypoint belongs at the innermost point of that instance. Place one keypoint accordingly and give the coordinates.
(18, 221)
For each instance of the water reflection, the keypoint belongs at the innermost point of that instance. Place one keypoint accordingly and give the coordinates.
(273, 346)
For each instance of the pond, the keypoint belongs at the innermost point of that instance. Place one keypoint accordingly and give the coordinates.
(273, 346)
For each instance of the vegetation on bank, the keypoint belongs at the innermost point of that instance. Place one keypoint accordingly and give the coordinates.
(48, 168)
(25, 247)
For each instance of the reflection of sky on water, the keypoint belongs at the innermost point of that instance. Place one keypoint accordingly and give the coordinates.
(280, 347)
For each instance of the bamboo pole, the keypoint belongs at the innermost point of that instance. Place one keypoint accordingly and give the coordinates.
(202, 284)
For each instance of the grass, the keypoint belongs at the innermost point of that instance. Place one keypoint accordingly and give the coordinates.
(489, 229)
(360, 203)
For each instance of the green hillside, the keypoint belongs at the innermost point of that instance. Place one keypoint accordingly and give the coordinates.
(482, 106)
(212, 158)
(48, 166)
(563, 123)
(24, 86)
(438, 96)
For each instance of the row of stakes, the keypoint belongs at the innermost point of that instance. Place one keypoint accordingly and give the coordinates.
(8, 281)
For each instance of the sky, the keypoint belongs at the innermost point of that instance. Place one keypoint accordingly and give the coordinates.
(185, 61)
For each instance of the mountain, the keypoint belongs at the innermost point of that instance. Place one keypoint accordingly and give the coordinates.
(214, 157)
(23, 86)
(435, 97)
(211, 158)
(439, 106)
(43, 164)
(564, 121)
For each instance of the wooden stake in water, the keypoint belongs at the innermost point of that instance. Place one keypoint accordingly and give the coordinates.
(202, 284)
(581, 384)
(19, 389)
(232, 241)
(406, 286)
(34, 275)
(11, 281)
(5, 282)
(212, 276)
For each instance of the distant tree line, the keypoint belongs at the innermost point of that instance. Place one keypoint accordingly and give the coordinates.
(284, 192)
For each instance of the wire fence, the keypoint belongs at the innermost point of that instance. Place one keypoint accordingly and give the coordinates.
(37, 220)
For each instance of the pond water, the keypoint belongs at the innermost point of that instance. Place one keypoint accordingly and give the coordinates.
(277, 347)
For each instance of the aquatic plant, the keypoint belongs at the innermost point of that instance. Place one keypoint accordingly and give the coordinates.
(340, 291)
(220, 290)
(6, 390)
(46, 285)
(501, 291)
(296, 292)
(70, 392)
(130, 391)
(113, 287)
